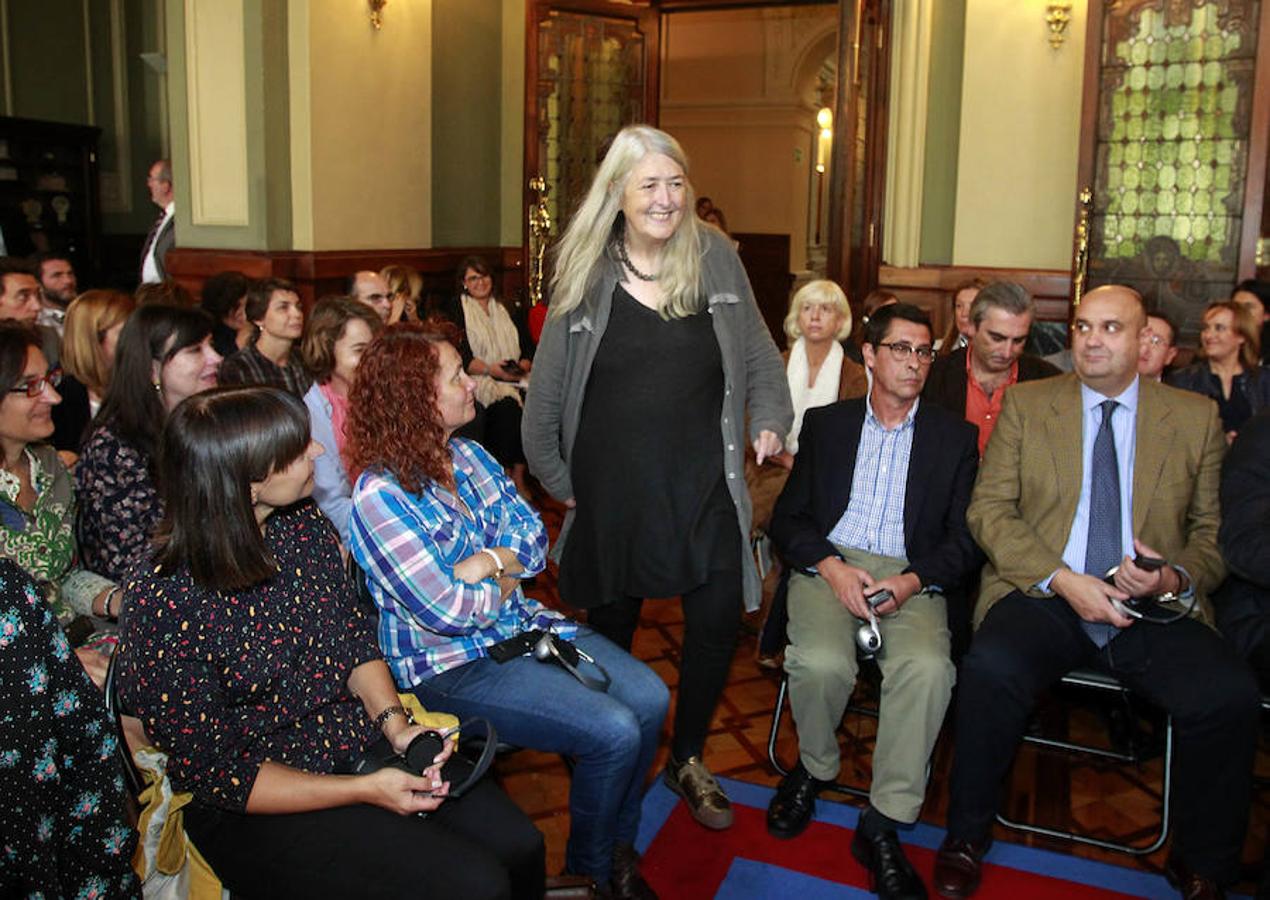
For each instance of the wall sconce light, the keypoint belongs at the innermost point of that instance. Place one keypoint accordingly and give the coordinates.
(377, 12)
(1057, 15)
(824, 121)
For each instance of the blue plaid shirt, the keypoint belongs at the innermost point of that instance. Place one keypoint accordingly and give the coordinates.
(408, 545)
(874, 518)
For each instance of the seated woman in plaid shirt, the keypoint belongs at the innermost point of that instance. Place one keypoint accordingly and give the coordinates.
(445, 539)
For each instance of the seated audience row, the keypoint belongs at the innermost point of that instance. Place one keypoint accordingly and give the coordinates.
(1087, 480)
(264, 731)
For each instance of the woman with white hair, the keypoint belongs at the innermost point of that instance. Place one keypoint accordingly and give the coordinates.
(653, 356)
(819, 373)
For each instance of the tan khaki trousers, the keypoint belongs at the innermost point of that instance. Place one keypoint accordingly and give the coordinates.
(917, 680)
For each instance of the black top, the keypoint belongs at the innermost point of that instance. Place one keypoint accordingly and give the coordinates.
(227, 680)
(72, 416)
(224, 340)
(653, 509)
(1249, 391)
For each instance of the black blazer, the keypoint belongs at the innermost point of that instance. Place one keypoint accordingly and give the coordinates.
(1243, 602)
(946, 384)
(941, 475)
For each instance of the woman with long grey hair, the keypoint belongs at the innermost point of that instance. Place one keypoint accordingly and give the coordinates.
(653, 360)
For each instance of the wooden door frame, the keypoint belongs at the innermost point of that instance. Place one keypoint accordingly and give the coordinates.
(841, 193)
(1258, 140)
(649, 19)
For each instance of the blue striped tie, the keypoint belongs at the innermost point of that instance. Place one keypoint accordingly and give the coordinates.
(1103, 549)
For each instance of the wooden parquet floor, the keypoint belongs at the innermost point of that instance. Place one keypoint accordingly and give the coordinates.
(1054, 789)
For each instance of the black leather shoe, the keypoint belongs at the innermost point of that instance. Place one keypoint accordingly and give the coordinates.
(891, 876)
(957, 868)
(626, 883)
(790, 810)
(1191, 885)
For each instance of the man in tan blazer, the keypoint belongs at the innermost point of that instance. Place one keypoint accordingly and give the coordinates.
(1067, 457)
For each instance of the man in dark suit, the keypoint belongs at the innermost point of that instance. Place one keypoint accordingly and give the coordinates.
(1087, 471)
(162, 236)
(1243, 604)
(876, 502)
(971, 381)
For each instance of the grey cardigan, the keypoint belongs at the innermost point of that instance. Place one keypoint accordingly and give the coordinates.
(754, 377)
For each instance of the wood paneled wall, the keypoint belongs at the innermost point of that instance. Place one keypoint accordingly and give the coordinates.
(931, 287)
(316, 274)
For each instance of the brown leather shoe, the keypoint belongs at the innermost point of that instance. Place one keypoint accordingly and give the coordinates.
(1192, 885)
(957, 867)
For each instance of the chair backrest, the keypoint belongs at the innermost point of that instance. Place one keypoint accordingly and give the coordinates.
(357, 578)
(136, 784)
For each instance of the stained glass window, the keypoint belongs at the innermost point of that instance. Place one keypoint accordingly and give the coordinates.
(1174, 115)
(590, 84)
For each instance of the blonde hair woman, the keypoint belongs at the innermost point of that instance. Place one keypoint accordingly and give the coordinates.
(93, 322)
(818, 372)
(653, 319)
(1229, 367)
(405, 287)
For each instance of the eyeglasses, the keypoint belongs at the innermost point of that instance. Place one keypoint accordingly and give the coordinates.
(34, 386)
(471, 279)
(902, 351)
(1154, 340)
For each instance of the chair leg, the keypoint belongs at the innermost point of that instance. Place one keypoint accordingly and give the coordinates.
(772, 736)
(1166, 797)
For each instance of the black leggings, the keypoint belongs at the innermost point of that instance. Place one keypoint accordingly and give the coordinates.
(711, 622)
(481, 846)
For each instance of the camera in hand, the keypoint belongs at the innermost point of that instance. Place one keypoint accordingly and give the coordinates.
(868, 637)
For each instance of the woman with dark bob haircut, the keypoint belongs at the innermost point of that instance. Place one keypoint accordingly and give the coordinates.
(164, 355)
(445, 538)
(247, 658)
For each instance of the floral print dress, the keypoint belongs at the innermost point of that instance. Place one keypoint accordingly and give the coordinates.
(42, 541)
(62, 828)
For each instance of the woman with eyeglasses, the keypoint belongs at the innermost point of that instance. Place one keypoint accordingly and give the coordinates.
(501, 361)
(247, 658)
(37, 498)
(654, 372)
(165, 355)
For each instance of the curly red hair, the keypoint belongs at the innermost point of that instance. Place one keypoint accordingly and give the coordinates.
(393, 422)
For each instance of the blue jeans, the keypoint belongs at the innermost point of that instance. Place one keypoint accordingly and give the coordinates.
(611, 736)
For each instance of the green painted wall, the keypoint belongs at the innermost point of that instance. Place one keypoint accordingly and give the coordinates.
(943, 133)
(467, 87)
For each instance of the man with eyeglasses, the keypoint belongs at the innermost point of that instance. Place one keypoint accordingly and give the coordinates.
(972, 380)
(370, 288)
(876, 502)
(1096, 469)
(1159, 347)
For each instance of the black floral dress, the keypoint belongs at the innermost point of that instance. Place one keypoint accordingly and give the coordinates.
(118, 504)
(62, 829)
